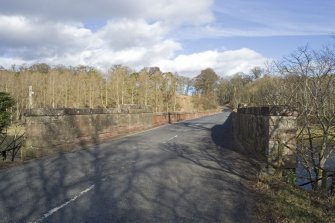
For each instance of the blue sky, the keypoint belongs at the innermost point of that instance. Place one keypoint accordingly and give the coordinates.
(179, 36)
(274, 47)
(273, 28)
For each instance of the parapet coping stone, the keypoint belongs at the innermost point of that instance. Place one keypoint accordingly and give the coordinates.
(82, 111)
(276, 110)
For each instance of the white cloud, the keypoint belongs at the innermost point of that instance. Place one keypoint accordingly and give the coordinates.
(216, 31)
(271, 18)
(135, 33)
(134, 43)
(34, 38)
(186, 11)
(125, 33)
(225, 63)
(8, 62)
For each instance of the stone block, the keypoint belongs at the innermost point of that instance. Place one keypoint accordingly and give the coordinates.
(268, 130)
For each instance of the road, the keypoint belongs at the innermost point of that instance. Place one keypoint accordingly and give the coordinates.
(183, 172)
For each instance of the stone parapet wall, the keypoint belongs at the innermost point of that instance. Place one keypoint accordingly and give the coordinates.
(278, 110)
(52, 130)
(269, 131)
(61, 129)
(125, 109)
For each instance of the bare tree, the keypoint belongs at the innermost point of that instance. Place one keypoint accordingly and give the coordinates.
(256, 72)
(310, 80)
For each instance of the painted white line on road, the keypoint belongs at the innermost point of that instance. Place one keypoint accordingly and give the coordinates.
(171, 139)
(52, 211)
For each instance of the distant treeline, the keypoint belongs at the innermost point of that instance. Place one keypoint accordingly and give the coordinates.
(86, 87)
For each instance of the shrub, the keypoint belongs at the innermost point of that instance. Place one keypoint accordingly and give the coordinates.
(6, 102)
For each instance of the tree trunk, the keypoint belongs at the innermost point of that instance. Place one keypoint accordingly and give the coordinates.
(53, 93)
(332, 187)
(106, 94)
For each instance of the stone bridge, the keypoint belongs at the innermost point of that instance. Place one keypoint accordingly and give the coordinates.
(269, 131)
(188, 171)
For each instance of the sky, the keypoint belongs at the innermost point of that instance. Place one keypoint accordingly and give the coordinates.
(183, 36)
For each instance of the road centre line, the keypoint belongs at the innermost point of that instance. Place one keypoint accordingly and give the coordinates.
(171, 139)
(54, 210)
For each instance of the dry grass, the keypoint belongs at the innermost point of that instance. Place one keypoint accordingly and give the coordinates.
(277, 201)
(185, 103)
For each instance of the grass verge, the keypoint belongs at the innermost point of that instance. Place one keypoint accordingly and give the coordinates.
(278, 201)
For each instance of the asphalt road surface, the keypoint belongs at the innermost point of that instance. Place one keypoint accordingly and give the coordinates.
(183, 172)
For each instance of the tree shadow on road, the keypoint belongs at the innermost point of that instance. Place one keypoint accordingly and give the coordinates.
(195, 179)
(216, 150)
(215, 154)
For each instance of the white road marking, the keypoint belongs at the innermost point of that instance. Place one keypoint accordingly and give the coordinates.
(54, 210)
(171, 139)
